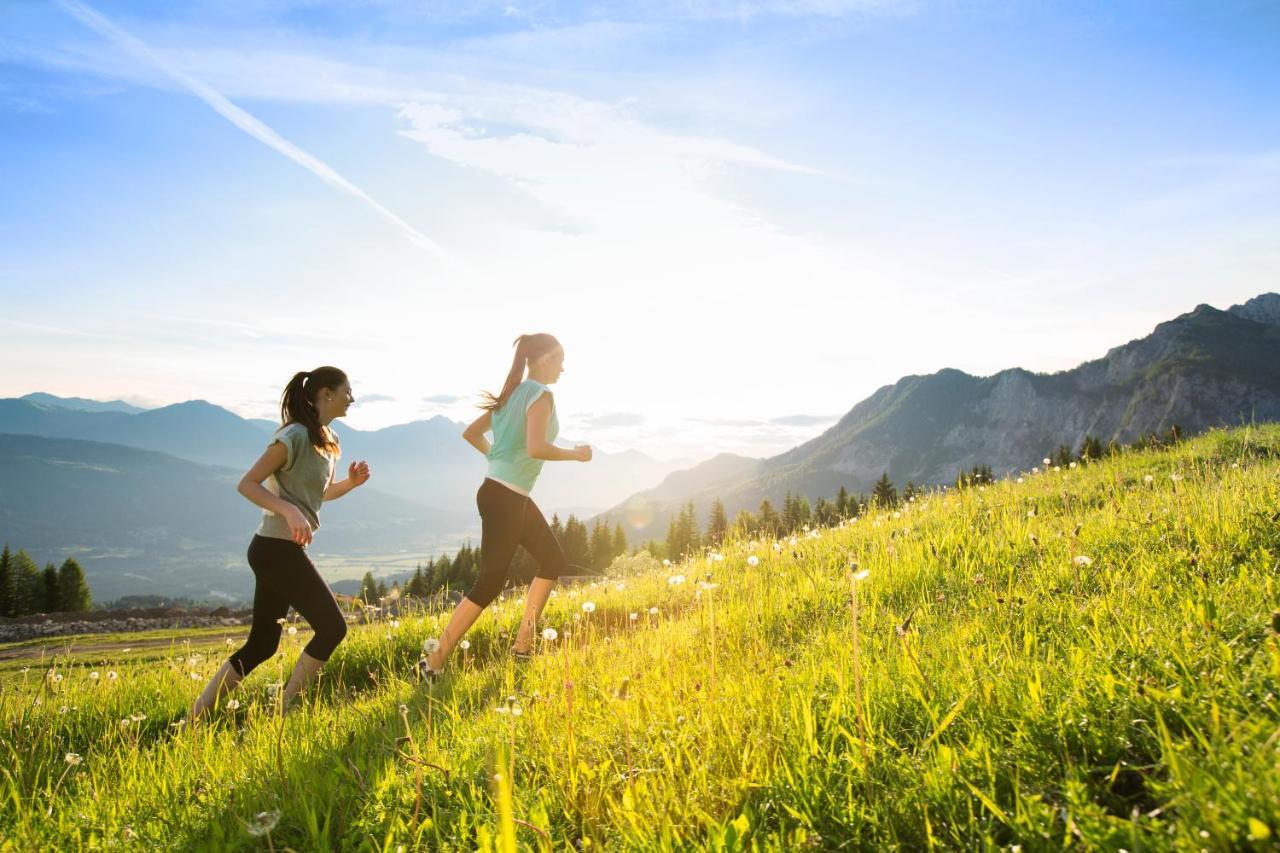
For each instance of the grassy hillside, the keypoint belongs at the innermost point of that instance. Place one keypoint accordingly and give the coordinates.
(1085, 660)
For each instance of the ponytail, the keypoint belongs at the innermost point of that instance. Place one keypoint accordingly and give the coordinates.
(529, 348)
(298, 404)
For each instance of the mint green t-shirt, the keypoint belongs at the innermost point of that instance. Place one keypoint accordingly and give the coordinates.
(509, 459)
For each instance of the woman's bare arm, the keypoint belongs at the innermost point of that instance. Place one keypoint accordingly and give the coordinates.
(535, 438)
(474, 433)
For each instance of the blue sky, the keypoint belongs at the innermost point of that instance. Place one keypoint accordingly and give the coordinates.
(740, 218)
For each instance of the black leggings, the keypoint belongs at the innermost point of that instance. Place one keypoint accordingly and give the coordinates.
(286, 576)
(508, 519)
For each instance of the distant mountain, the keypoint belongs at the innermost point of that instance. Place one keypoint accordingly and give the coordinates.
(81, 404)
(426, 461)
(141, 521)
(1202, 369)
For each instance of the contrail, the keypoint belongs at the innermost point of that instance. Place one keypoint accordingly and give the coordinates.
(248, 123)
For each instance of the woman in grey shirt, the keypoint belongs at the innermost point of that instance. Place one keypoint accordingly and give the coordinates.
(298, 468)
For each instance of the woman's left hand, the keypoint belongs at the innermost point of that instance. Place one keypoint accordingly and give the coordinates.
(358, 473)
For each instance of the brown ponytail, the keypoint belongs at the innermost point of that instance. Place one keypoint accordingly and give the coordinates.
(529, 348)
(298, 404)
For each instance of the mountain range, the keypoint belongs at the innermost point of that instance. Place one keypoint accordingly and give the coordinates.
(1205, 368)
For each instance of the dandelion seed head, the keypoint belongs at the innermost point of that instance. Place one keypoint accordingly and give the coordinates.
(862, 575)
(93, 676)
(430, 645)
(233, 704)
(1148, 479)
(73, 758)
(464, 645)
(588, 607)
(1083, 561)
(675, 580)
(1046, 461)
(753, 560)
(293, 629)
(281, 620)
(549, 634)
(653, 611)
(112, 676)
(263, 823)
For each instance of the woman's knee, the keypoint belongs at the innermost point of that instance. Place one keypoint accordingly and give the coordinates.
(329, 633)
(485, 590)
(255, 651)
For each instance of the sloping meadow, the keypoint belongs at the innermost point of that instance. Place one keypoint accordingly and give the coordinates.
(1083, 658)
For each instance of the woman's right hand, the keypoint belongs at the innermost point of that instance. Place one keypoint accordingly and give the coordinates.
(299, 527)
(583, 452)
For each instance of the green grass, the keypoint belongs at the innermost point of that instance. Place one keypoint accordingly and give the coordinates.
(981, 687)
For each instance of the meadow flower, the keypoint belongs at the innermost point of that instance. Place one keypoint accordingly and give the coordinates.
(1082, 561)
(281, 621)
(793, 541)
(1057, 468)
(549, 634)
(653, 611)
(862, 575)
(588, 606)
(430, 645)
(1072, 465)
(293, 629)
(1019, 479)
(137, 718)
(126, 650)
(675, 580)
(707, 585)
(395, 623)
(666, 562)
(464, 645)
(57, 676)
(1046, 461)
(719, 558)
(64, 709)
(753, 560)
(111, 676)
(1148, 479)
(73, 758)
(273, 688)
(230, 642)
(634, 616)
(93, 676)
(263, 823)
(124, 722)
(195, 676)
(777, 546)
(233, 704)
(1031, 513)
(1175, 477)
(1035, 470)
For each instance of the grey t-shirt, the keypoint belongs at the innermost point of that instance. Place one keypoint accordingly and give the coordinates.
(301, 480)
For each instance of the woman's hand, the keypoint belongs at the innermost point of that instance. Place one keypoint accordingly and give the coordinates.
(582, 453)
(358, 473)
(299, 527)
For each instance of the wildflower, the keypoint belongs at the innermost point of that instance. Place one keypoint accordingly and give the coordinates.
(430, 645)
(124, 722)
(1019, 479)
(777, 546)
(111, 676)
(1148, 479)
(464, 645)
(653, 611)
(233, 704)
(1083, 562)
(675, 580)
(263, 823)
(1031, 513)
(126, 650)
(634, 616)
(549, 634)
(753, 560)
(93, 676)
(1047, 461)
(395, 623)
(862, 575)
(666, 562)
(1175, 477)
(72, 758)
(719, 558)
(281, 621)
(293, 629)
(137, 718)
(707, 585)
(64, 709)
(273, 688)
(588, 606)
(230, 642)
(793, 541)
(1072, 465)
(1035, 470)
(1057, 468)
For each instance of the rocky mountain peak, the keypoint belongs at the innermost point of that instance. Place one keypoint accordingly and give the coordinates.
(1260, 309)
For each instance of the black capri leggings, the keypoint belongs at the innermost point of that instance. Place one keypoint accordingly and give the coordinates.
(508, 519)
(286, 576)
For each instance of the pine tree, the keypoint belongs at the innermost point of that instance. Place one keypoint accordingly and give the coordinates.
(690, 539)
(28, 591)
(600, 548)
(619, 540)
(672, 544)
(73, 589)
(368, 589)
(842, 503)
(577, 546)
(1063, 457)
(744, 524)
(885, 494)
(718, 525)
(1090, 449)
(6, 582)
(49, 597)
(382, 589)
(824, 513)
(770, 522)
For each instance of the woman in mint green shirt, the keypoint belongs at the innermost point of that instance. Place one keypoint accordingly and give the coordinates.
(524, 425)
